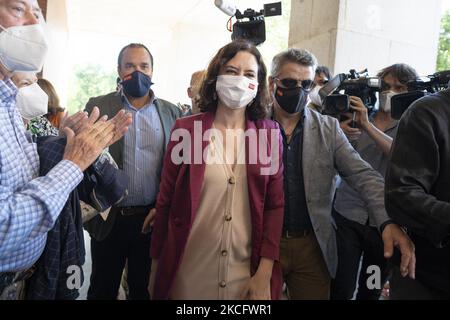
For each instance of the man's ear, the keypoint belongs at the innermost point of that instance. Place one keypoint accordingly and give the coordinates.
(190, 93)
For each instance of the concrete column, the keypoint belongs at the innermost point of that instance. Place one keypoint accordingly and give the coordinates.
(314, 26)
(358, 34)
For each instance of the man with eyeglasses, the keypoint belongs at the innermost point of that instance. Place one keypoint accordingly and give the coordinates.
(315, 149)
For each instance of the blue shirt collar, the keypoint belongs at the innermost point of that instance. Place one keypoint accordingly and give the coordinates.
(128, 104)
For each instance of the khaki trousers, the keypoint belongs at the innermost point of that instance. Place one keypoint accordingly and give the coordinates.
(304, 269)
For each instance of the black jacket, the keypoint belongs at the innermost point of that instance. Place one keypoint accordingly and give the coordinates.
(418, 185)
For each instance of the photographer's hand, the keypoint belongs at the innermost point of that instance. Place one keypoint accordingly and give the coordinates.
(351, 133)
(381, 139)
(362, 117)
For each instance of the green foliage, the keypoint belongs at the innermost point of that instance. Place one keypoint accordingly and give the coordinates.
(89, 81)
(443, 59)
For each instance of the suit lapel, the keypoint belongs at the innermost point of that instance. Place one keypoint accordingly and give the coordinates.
(165, 119)
(116, 104)
(308, 149)
(116, 150)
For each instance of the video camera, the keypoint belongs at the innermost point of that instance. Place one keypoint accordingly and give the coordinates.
(417, 89)
(251, 24)
(335, 94)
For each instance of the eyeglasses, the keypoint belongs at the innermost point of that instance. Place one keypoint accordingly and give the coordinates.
(290, 83)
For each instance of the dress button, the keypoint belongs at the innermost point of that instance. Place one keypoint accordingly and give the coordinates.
(231, 180)
(222, 284)
(224, 253)
(228, 217)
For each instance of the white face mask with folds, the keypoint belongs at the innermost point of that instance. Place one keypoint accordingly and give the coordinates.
(32, 101)
(385, 101)
(23, 48)
(236, 91)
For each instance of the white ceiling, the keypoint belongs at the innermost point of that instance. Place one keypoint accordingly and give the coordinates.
(144, 16)
(183, 36)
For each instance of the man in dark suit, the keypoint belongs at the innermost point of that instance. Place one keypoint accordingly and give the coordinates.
(418, 197)
(120, 238)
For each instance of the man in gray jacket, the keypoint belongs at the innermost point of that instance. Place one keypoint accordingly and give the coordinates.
(121, 238)
(315, 150)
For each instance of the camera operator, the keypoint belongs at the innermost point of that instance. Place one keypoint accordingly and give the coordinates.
(356, 234)
(394, 79)
(418, 197)
(322, 76)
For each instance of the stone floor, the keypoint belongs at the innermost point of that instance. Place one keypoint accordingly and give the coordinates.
(87, 269)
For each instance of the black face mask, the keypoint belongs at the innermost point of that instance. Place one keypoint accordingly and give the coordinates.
(136, 84)
(291, 100)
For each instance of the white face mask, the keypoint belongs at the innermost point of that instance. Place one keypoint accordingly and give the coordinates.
(385, 101)
(236, 91)
(315, 97)
(23, 48)
(32, 101)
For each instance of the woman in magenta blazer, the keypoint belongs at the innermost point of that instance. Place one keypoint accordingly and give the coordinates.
(219, 213)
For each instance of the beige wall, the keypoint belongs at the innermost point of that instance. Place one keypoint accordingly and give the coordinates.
(314, 27)
(347, 34)
(56, 68)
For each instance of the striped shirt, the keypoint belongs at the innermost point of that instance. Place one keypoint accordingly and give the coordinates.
(143, 154)
(29, 205)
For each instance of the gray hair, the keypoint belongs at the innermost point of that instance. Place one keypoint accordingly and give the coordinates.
(300, 56)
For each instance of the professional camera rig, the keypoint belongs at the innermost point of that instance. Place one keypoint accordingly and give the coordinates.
(335, 94)
(417, 89)
(250, 24)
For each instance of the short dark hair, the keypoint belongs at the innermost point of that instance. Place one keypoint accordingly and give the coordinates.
(300, 56)
(133, 46)
(403, 72)
(208, 100)
(325, 71)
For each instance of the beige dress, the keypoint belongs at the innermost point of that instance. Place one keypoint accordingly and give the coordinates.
(216, 261)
